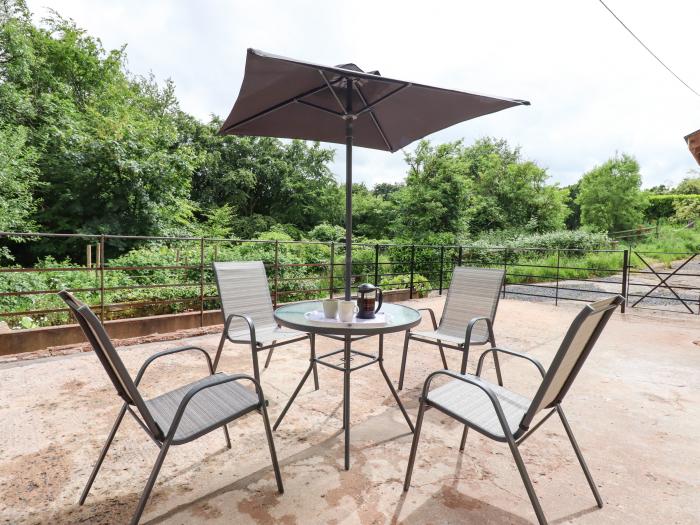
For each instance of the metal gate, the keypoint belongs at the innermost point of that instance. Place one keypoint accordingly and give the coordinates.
(672, 286)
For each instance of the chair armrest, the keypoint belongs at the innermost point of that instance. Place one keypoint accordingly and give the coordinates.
(216, 382)
(474, 381)
(247, 319)
(432, 316)
(470, 329)
(171, 351)
(531, 359)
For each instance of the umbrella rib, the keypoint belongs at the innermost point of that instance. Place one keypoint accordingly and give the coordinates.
(375, 121)
(280, 106)
(321, 108)
(369, 107)
(335, 95)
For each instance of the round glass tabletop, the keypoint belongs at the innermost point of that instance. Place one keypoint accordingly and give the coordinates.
(398, 318)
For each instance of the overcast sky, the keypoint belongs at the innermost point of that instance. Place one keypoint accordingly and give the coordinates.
(594, 90)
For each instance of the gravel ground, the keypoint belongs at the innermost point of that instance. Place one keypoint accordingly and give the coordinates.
(686, 283)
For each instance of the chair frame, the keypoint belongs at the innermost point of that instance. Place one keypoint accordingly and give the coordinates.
(165, 440)
(462, 347)
(514, 440)
(255, 347)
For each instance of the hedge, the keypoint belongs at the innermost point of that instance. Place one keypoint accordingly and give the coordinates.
(662, 206)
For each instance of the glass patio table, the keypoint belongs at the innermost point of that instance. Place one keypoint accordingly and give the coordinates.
(398, 318)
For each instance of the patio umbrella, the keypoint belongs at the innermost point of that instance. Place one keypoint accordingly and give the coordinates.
(286, 98)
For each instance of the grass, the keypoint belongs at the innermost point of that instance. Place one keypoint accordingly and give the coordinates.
(675, 242)
(591, 264)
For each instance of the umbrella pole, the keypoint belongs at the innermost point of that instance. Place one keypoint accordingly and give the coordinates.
(348, 188)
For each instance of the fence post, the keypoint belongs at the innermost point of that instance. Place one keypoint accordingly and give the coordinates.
(102, 278)
(332, 268)
(625, 277)
(442, 262)
(505, 270)
(376, 265)
(556, 293)
(459, 257)
(201, 282)
(413, 260)
(277, 269)
(88, 262)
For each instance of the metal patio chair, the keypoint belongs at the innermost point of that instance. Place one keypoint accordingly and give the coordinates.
(176, 417)
(505, 416)
(248, 313)
(467, 318)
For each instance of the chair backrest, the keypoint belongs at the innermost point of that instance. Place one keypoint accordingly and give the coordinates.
(244, 290)
(473, 292)
(102, 345)
(575, 348)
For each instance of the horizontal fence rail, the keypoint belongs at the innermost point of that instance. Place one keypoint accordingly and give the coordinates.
(131, 276)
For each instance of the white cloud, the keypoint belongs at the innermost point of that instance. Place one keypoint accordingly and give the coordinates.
(594, 90)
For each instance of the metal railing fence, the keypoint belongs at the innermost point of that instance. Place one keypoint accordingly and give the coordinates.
(173, 274)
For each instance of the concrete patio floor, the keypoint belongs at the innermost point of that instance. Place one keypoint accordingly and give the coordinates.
(635, 410)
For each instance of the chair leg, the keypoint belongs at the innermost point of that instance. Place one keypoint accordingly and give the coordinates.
(526, 480)
(464, 438)
(442, 355)
(269, 355)
(465, 358)
(271, 446)
(151, 481)
(497, 364)
(228, 438)
(103, 453)
(403, 359)
(219, 350)
(414, 446)
(312, 344)
(579, 455)
(256, 365)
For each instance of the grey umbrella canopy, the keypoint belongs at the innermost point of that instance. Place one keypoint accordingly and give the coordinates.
(286, 98)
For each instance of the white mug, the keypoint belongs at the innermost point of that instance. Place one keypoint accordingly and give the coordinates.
(330, 308)
(346, 311)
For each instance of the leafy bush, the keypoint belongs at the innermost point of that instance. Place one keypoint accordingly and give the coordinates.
(326, 233)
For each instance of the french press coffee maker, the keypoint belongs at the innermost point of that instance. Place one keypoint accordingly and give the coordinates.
(367, 296)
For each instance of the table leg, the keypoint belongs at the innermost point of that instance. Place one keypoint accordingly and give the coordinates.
(346, 401)
(294, 395)
(388, 382)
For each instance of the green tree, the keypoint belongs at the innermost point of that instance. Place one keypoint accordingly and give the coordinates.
(372, 214)
(573, 220)
(433, 199)
(18, 180)
(486, 186)
(688, 186)
(610, 196)
(105, 146)
(262, 176)
(509, 192)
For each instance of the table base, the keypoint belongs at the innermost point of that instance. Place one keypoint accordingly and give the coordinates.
(347, 369)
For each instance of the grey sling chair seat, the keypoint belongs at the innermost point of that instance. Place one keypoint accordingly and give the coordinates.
(505, 416)
(248, 313)
(467, 318)
(176, 417)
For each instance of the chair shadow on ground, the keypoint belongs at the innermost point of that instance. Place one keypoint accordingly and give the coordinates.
(449, 505)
